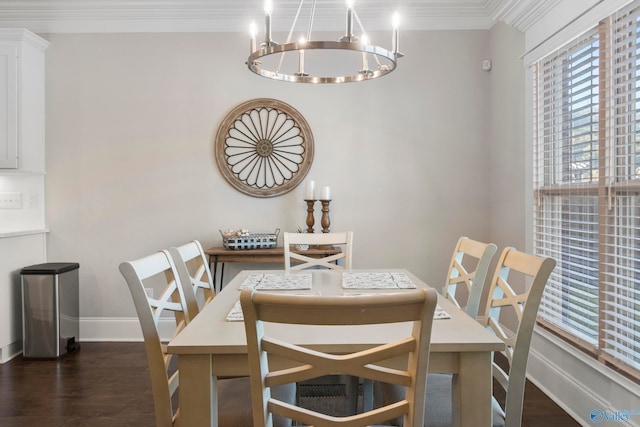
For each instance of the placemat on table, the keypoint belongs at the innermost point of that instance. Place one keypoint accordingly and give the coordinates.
(277, 282)
(377, 280)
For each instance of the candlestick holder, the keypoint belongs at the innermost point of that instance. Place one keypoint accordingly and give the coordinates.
(325, 221)
(310, 219)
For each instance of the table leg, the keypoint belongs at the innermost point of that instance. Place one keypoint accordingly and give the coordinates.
(472, 390)
(216, 288)
(198, 398)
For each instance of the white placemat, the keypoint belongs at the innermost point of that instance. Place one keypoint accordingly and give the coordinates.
(235, 315)
(376, 281)
(277, 282)
(440, 313)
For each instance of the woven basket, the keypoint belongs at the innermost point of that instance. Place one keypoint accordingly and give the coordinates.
(251, 241)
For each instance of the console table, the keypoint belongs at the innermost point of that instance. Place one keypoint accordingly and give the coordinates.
(222, 255)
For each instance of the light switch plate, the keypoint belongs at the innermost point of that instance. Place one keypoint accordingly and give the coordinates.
(10, 200)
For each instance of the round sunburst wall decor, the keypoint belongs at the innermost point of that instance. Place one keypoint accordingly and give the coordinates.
(264, 147)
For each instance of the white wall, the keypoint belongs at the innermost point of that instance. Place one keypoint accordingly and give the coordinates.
(507, 176)
(131, 120)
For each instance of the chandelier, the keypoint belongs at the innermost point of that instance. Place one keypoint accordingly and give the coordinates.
(350, 59)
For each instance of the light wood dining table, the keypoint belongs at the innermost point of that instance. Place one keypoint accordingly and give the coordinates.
(211, 347)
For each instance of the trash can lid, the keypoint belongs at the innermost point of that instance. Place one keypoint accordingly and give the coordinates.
(50, 268)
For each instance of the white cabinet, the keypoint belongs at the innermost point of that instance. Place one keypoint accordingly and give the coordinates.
(22, 119)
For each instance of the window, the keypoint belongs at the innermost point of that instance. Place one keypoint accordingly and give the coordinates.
(587, 188)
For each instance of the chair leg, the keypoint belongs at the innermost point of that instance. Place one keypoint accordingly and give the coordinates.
(367, 395)
(352, 384)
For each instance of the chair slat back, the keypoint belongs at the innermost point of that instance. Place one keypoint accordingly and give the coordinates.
(146, 272)
(469, 266)
(193, 267)
(312, 310)
(516, 288)
(342, 239)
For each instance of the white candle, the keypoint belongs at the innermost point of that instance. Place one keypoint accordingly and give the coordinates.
(253, 31)
(395, 21)
(301, 57)
(268, 9)
(326, 193)
(350, 20)
(311, 188)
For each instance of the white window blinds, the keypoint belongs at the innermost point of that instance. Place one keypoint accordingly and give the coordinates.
(587, 188)
(620, 258)
(566, 214)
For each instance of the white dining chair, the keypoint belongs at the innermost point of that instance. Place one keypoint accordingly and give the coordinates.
(469, 266)
(193, 268)
(312, 311)
(298, 260)
(152, 271)
(514, 296)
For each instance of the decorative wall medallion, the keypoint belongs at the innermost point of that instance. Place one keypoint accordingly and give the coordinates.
(264, 147)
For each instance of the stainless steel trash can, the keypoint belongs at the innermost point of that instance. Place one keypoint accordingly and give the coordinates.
(50, 309)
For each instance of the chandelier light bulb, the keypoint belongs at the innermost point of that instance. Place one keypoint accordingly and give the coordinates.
(301, 72)
(395, 42)
(349, 34)
(268, 7)
(365, 63)
(253, 31)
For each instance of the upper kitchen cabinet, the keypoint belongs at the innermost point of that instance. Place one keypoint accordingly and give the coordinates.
(22, 116)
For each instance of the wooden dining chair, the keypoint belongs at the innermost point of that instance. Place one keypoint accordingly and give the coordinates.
(469, 266)
(193, 267)
(151, 272)
(342, 239)
(514, 296)
(262, 308)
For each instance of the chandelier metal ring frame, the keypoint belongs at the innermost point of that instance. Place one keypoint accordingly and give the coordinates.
(255, 64)
(264, 147)
(260, 59)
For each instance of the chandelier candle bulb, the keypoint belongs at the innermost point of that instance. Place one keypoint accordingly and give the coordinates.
(396, 23)
(311, 188)
(268, 9)
(365, 64)
(253, 30)
(301, 58)
(349, 34)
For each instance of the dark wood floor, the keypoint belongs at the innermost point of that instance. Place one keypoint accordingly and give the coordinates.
(107, 384)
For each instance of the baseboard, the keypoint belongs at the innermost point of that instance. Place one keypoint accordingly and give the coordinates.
(583, 387)
(10, 351)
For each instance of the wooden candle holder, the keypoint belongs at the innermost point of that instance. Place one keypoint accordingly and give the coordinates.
(310, 219)
(325, 221)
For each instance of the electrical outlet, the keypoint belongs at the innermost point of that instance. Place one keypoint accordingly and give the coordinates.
(149, 292)
(10, 200)
(32, 201)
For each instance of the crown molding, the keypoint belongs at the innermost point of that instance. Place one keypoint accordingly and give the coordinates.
(118, 16)
(521, 14)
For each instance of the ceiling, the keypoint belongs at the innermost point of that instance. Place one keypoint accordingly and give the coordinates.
(73, 16)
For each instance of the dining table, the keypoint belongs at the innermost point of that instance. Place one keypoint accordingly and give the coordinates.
(213, 345)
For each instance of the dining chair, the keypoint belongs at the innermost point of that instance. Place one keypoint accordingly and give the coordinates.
(152, 271)
(514, 296)
(315, 311)
(191, 263)
(469, 266)
(343, 239)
